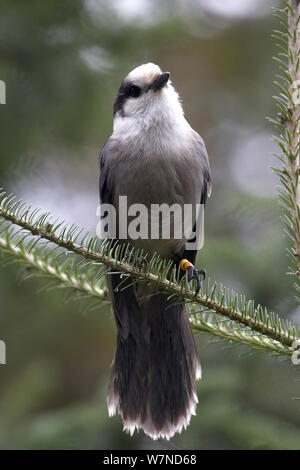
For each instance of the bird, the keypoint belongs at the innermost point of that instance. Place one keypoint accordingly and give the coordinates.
(152, 157)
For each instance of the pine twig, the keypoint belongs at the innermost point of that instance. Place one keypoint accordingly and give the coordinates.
(288, 103)
(217, 299)
(43, 260)
(66, 277)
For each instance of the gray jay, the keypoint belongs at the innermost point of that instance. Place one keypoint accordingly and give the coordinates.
(153, 157)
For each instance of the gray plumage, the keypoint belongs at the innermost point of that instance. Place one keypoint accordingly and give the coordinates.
(153, 157)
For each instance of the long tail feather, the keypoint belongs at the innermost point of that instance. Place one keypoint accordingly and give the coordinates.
(152, 383)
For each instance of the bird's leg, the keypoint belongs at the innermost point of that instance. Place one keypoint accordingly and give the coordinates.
(193, 273)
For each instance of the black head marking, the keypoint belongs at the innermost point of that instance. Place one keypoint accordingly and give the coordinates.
(127, 90)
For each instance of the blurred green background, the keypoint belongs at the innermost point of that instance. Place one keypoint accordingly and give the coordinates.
(62, 63)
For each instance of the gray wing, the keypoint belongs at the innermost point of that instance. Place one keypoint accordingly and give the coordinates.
(206, 186)
(122, 304)
(191, 255)
(105, 186)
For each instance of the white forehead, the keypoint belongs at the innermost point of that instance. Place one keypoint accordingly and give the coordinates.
(144, 74)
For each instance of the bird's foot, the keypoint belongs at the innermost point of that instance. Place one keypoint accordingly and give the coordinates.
(193, 273)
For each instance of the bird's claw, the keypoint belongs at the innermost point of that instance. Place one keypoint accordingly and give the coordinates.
(196, 274)
(193, 273)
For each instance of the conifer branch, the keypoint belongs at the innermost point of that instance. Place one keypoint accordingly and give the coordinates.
(38, 261)
(288, 103)
(277, 335)
(229, 331)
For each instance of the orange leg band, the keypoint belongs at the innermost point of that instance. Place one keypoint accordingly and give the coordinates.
(184, 264)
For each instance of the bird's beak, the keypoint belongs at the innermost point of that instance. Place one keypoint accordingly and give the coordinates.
(160, 82)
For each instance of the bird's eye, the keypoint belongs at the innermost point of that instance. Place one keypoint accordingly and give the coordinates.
(134, 91)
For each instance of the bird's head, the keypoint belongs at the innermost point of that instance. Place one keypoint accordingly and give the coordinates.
(146, 91)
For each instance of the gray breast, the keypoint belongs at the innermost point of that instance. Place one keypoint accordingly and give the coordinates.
(172, 177)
